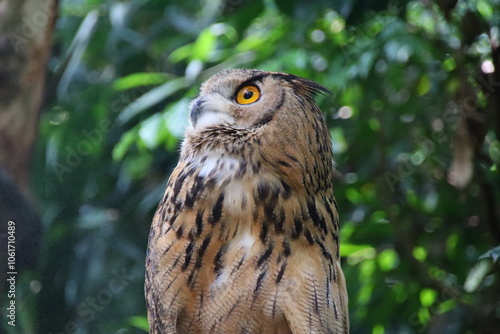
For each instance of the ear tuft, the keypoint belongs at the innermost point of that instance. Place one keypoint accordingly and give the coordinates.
(305, 86)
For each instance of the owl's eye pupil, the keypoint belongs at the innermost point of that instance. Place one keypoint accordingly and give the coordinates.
(248, 95)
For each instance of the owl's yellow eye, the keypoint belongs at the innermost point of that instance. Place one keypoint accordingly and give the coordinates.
(247, 95)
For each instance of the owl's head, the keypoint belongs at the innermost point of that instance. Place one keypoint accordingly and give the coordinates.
(268, 120)
(246, 99)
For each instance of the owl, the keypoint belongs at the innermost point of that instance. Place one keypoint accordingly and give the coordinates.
(246, 237)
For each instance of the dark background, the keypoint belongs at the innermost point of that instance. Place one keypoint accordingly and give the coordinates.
(414, 119)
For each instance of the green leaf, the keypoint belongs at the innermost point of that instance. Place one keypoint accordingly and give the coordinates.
(365, 293)
(151, 98)
(138, 166)
(374, 124)
(424, 315)
(361, 256)
(424, 85)
(427, 297)
(477, 275)
(387, 259)
(139, 79)
(347, 249)
(176, 117)
(140, 322)
(353, 195)
(378, 329)
(126, 141)
(485, 9)
(181, 53)
(451, 244)
(449, 64)
(447, 306)
(420, 253)
(151, 131)
(204, 45)
(379, 217)
(339, 143)
(494, 151)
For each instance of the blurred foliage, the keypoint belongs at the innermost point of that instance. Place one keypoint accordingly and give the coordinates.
(416, 94)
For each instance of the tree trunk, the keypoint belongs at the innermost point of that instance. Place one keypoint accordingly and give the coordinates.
(25, 34)
(26, 28)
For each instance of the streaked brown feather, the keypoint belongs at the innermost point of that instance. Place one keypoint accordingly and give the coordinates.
(245, 239)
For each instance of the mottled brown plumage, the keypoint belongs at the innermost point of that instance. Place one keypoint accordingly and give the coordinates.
(245, 239)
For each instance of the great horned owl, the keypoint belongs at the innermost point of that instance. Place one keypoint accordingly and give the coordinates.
(246, 238)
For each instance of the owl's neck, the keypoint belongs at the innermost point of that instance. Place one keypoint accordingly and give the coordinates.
(241, 182)
(237, 201)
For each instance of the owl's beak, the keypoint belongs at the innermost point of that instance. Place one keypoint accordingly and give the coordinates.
(205, 113)
(196, 111)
